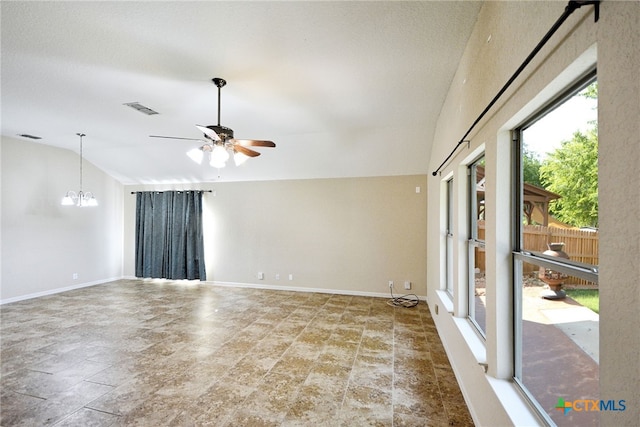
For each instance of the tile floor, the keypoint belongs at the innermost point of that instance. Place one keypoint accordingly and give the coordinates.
(161, 353)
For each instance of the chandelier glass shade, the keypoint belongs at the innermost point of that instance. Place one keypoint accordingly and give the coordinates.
(219, 154)
(79, 198)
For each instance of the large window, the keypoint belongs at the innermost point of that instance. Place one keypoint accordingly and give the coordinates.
(477, 294)
(556, 256)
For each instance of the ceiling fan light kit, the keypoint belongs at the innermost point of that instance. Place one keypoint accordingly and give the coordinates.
(220, 143)
(219, 156)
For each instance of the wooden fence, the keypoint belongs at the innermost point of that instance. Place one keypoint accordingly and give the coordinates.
(580, 245)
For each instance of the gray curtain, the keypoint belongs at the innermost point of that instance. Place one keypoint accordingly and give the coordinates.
(169, 242)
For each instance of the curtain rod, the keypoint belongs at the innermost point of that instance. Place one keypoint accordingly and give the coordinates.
(162, 191)
(568, 10)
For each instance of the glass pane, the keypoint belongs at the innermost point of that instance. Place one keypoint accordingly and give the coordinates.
(559, 322)
(560, 348)
(560, 174)
(449, 271)
(477, 262)
(479, 288)
(449, 238)
(478, 200)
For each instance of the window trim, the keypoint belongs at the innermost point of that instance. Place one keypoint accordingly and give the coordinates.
(581, 83)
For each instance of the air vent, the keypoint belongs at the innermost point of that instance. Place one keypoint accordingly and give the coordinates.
(26, 135)
(139, 107)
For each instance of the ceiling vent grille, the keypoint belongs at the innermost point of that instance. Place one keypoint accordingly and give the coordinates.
(26, 135)
(139, 107)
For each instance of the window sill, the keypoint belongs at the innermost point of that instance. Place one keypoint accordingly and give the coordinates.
(445, 301)
(492, 398)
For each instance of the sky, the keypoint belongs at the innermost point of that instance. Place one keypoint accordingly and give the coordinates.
(546, 134)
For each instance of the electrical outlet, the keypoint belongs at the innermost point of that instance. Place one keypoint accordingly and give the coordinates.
(260, 275)
(277, 276)
(75, 276)
(390, 284)
(290, 276)
(436, 307)
(407, 284)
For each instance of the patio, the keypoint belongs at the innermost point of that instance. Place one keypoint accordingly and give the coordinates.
(560, 353)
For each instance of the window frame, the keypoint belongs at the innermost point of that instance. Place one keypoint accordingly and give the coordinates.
(473, 243)
(521, 256)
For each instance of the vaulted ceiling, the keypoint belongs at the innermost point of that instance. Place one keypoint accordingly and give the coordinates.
(343, 88)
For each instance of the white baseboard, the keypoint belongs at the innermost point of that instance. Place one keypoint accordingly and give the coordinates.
(56, 291)
(304, 289)
(213, 283)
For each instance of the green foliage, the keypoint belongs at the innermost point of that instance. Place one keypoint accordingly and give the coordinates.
(531, 168)
(589, 298)
(572, 172)
(590, 91)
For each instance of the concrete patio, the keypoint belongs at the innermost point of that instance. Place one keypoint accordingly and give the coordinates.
(560, 352)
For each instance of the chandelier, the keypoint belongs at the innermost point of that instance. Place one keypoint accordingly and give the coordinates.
(80, 198)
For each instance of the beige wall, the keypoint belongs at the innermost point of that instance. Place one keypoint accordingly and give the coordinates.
(494, 52)
(619, 207)
(348, 235)
(44, 243)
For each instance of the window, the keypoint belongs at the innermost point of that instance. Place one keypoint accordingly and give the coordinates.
(449, 237)
(556, 254)
(477, 298)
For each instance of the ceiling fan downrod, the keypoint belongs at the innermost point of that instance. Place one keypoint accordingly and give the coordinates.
(219, 82)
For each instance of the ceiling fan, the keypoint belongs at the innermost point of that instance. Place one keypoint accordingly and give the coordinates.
(219, 141)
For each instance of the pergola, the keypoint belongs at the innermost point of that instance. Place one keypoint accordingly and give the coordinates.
(532, 196)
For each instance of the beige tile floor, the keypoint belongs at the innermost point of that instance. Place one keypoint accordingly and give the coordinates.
(161, 353)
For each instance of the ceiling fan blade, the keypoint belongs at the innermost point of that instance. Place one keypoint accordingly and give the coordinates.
(176, 137)
(210, 133)
(245, 151)
(253, 143)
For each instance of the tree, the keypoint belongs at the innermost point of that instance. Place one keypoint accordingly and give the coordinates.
(591, 91)
(572, 172)
(531, 168)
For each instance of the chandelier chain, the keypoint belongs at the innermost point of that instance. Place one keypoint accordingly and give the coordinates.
(80, 135)
(80, 198)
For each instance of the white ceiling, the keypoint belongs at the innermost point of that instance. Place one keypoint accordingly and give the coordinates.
(343, 88)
